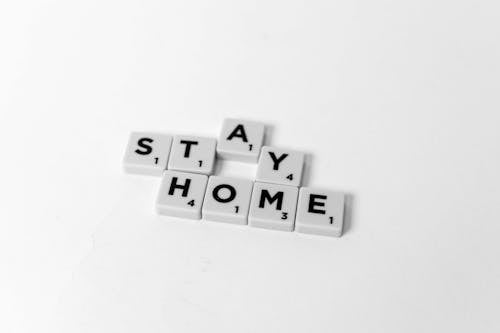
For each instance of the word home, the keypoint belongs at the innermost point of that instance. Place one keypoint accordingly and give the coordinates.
(275, 200)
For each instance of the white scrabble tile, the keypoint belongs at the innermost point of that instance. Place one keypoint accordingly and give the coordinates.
(227, 199)
(273, 206)
(240, 140)
(181, 194)
(280, 166)
(192, 154)
(320, 212)
(147, 153)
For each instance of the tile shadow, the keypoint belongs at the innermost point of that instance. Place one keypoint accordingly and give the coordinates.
(349, 205)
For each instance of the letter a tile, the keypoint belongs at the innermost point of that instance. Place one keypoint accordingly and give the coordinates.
(240, 140)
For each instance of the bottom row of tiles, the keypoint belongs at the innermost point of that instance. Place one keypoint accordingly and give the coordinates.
(241, 201)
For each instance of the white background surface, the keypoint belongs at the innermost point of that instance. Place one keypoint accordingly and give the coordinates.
(396, 101)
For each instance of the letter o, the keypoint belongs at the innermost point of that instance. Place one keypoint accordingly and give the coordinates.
(232, 193)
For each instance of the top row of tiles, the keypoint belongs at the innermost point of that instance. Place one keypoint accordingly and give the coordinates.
(240, 140)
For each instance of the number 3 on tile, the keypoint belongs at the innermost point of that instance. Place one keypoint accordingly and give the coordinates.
(284, 216)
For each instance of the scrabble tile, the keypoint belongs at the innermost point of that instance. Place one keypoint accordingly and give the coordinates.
(280, 166)
(192, 154)
(147, 153)
(240, 140)
(273, 206)
(181, 194)
(227, 199)
(320, 212)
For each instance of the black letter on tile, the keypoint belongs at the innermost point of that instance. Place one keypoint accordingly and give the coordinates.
(238, 132)
(264, 195)
(184, 188)
(231, 189)
(188, 144)
(148, 149)
(277, 161)
(315, 203)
